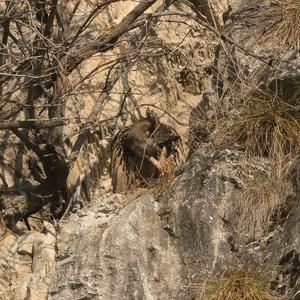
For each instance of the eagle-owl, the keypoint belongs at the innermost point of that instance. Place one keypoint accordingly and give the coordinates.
(132, 148)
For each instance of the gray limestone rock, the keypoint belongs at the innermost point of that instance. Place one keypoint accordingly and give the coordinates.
(131, 257)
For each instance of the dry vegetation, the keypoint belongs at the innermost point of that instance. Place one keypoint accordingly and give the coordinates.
(286, 31)
(266, 125)
(237, 285)
(262, 196)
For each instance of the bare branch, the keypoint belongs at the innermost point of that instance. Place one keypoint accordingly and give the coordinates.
(33, 124)
(106, 42)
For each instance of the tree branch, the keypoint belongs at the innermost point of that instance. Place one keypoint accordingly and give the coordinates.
(102, 44)
(33, 124)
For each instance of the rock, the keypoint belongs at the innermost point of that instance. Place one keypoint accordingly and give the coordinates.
(149, 249)
(286, 251)
(192, 210)
(8, 246)
(130, 258)
(26, 242)
(213, 10)
(25, 264)
(43, 264)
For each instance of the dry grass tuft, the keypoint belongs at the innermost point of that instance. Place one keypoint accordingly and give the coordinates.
(237, 285)
(262, 197)
(286, 31)
(265, 125)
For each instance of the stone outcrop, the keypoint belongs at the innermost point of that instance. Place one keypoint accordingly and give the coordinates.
(116, 253)
(160, 249)
(26, 263)
(146, 247)
(149, 249)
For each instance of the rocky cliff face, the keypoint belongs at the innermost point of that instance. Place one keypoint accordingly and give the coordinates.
(26, 263)
(143, 247)
(149, 246)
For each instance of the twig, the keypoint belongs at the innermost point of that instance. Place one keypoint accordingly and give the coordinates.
(123, 102)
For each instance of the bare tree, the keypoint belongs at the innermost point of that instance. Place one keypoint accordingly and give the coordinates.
(41, 46)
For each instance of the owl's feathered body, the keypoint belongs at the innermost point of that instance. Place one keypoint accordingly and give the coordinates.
(132, 148)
